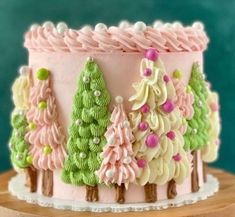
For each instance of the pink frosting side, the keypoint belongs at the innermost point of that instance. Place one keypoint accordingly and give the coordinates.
(170, 39)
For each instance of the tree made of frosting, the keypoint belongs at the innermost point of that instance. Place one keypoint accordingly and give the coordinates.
(156, 122)
(19, 147)
(210, 151)
(118, 166)
(90, 118)
(46, 135)
(196, 136)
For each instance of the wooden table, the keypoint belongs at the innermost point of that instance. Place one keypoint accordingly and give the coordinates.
(220, 205)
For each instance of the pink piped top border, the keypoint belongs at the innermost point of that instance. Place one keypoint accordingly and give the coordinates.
(164, 39)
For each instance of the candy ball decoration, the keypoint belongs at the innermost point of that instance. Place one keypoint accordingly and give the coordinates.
(194, 131)
(145, 108)
(152, 54)
(109, 173)
(139, 27)
(143, 126)
(24, 70)
(90, 59)
(177, 74)
(177, 24)
(34, 27)
(78, 122)
(100, 27)
(198, 25)
(96, 140)
(166, 78)
(47, 149)
(61, 27)
(42, 74)
(29, 159)
(82, 155)
(119, 99)
(157, 24)
(171, 135)
(48, 25)
(86, 79)
(127, 160)
(141, 163)
(42, 105)
(147, 72)
(97, 93)
(177, 157)
(168, 106)
(200, 103)
(152, 140)
(19, 157)
(124, 24)
(32, 126)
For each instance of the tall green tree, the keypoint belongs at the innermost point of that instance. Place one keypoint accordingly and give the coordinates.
(197, 134)
(89, 120)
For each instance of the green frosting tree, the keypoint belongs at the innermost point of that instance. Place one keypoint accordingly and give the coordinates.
(90, 117)
(18, 146)
(197, 136)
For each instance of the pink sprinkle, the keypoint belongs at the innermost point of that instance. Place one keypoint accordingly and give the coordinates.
(152, 54)
(171, 135)
(143, 126)
(166, 78)
(141, 163)
(147, 72)
(177, 157)
(152, 140)
(168, 106)
(214, 107)
(145, 108)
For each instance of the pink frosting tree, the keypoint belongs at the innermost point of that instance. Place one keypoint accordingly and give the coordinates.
(45, 135)
(119, 166)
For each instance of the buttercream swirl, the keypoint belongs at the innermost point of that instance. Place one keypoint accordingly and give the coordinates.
(210, 151)
(46, 137)
(118, 165)
(164, 39)
(154, 91)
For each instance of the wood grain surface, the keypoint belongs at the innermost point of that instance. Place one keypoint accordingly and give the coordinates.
(222, 204)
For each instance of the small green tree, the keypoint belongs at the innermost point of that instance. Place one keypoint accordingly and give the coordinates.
(90, 117)
(197, 136)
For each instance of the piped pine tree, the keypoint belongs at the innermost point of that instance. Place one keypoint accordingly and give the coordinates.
(156, 122)
(196, 136)
(46, 136)
(90, 118)
(119, 166)
(19, 147)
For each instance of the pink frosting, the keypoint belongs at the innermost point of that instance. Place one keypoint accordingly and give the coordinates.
(48, 132)
(170, 39)
(119, 165)
(184, 100)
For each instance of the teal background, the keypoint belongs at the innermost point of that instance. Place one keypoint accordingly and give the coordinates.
(217, 15)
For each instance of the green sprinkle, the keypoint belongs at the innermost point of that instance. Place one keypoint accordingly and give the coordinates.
(42, 105)
(177, 74)
(47, 149)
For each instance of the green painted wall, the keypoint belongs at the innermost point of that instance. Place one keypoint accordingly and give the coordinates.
(218, 16)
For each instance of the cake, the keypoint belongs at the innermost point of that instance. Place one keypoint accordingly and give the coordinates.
(114, 115)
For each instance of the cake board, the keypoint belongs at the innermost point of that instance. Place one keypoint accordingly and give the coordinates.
(221, 204)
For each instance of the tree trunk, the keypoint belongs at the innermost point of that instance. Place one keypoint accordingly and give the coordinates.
(194, 175)
(150, 193)
(204, 172)
(47, 183)
(120, 193)
(92, 194)
(171, 189)
(31, 178)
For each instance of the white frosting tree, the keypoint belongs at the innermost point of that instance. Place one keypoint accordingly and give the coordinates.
(118, 166)
(156, 122)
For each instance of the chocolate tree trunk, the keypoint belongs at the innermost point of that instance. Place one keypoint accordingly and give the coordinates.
(150, 193)
(92, 193)
(120, 193)
(171, 189)
(31, 178)
(47, 183)
(194, 175)
(204, 172)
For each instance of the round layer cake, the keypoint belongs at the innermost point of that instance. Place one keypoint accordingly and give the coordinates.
(114, 114)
